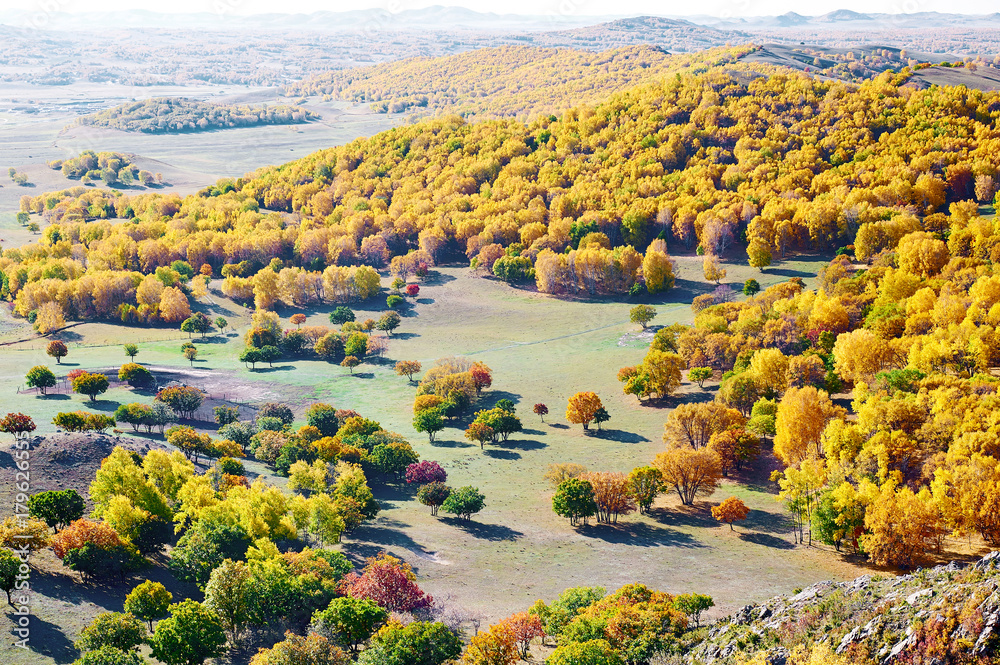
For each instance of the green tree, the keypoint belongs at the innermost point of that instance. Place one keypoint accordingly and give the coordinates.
(341, 315)
(464, 502)
(642, 314)
(751, 287)
(693, 604)
(149, 601)
(418, 643)
(90, 385)
(350, 622)
(324, 418)
(112, 629)
(389, 322)
(40, 377)
(251, 356)
(189, 636)
(574, 499)
(57, 508)
(591, 652)
(601, 416)
(131, 350)
(135, 375)
(110, 656)
(700, 375)
(221, 324)
(433, 494)
(225, 415)
(9, 567)
(197, 323)
(644, 483)
(394, 301)
(430, 421)
(229, 593)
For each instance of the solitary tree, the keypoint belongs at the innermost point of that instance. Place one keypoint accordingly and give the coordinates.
(191, 353)
(388, 322)
(90, 385)
(751, 287)
(464, 502)
(642, 314)
(433, 494)
(407, 368)
(40, 377)
(131, 350)
(9, 566)
(57, 350)
(541, 411)
(221, 324)
(298, 319)
(582, 407)
(430, 421)
(350, 362)
(148, 601)
(731, 510)
(17, 424)
(693, 604)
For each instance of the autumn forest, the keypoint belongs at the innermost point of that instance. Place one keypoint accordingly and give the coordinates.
(583, 353)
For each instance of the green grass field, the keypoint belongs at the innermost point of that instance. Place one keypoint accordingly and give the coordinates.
(541, 349)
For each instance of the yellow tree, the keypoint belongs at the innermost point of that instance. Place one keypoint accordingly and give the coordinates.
(769, 368)
(713, 272)
(657, 268)
(582, 407)
(800, 490)
(693, 425)
(690, 472)
(50, 318)
(860, 354)
(174, 306)
(802, 415)
(759, 253)
(898, 524)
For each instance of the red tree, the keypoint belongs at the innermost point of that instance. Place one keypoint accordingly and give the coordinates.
(524, 627)
(425, 472)
(17, 424)
(388, 582)
(482, 376)
(541, 411)
(412, 290)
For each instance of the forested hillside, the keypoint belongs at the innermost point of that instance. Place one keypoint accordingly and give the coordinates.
(509, 81)
(167, 115)
(783, 161)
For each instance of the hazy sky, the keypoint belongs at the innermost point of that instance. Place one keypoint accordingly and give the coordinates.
(537, 7)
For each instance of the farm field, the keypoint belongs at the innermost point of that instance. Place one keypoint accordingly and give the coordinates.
(541, 349)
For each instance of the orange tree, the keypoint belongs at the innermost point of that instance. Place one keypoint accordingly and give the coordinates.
(731, 510)
(582, 407)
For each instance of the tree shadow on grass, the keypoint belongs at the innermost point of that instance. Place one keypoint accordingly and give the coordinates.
(761, 520)
(522, 444)
(439, 443)
(54, 396)
(685, 516)
(638, 533)
(620, 435)
(558, 426)
(502, 454)
(48, 639)
(280, 368)
(103, 405)
(494, 532)
(363, 375)
(533, 432)
(767, 540)
(404, 335)
(425, 301)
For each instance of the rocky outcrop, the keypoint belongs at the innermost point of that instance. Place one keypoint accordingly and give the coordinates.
(953, 607)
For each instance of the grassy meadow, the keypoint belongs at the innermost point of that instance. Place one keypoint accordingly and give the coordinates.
(541, 349)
